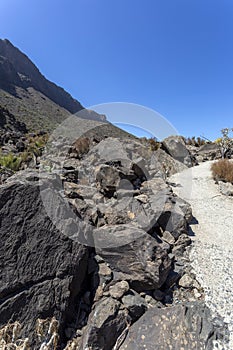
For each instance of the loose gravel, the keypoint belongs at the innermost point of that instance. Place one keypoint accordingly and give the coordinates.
(211, 253)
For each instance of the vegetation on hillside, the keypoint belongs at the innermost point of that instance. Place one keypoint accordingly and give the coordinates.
(193, 141)
(16, 161)
(152, 143)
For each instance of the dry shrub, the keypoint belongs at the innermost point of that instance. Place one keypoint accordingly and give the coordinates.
(80, 147)
(46, 330)
(223, 170)
(154, 144)
(10, 338)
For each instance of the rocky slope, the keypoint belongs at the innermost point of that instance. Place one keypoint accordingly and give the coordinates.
(94, 257)
(94, 240)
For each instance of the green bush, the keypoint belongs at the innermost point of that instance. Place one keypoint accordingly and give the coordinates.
(10, 161)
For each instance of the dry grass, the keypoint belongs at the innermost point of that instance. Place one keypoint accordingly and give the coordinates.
(154, 144)
(222, 170)
(46, 330)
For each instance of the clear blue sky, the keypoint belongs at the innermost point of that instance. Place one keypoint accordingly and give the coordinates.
(174, 56)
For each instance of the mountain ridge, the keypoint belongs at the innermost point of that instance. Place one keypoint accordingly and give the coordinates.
(27, 94)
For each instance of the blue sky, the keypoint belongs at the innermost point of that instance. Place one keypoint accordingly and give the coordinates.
(173, 56)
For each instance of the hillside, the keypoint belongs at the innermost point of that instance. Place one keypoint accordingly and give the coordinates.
(30, 97)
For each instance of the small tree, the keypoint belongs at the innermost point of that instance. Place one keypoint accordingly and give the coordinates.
(226, 143)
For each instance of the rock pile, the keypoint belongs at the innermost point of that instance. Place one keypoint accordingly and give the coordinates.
(93, 245)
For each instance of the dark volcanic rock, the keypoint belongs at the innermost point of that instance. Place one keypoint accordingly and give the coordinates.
(175, 146)
(184, 327)
(135, 255)
(105, 325)
(9, 122)
(42, 270)
(22, 72)
(135, 304)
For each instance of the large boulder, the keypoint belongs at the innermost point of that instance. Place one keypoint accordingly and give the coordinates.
(175, 146)
(164, 165)
(42, 270)
(106, 323)
(133, 255)
(180, 327)
(208, 151)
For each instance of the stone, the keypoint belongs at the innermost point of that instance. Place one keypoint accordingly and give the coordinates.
(119, 289)
(172, 278)
(105, 273)
(20, 146)
(105, 325)
(142, 198)
(163, 165)
(133, 253)
(209, 151)
(158, 294)
(186, 281)
(135, 304)
(175, 217)
(183, 327)
(168, 237)
(226, 188)
(180, 245)
(108, 179)
(42, 270)
(175, 146)
(149, 299)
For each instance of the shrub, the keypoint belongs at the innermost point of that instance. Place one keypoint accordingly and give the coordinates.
(225, 143)
(10, 161)
(194, 142)
(223, 170)
(80, 147)
(154, 144)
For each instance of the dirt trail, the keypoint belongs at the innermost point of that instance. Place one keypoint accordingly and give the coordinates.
(212, 250)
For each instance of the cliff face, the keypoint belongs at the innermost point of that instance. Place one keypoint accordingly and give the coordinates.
(22, 72)
(29, 96)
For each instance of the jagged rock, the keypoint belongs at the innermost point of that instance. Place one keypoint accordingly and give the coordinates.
(20, 63)
(108, 179)
(135, 304)
(105, 325)
(175, 217)
(209, 151)
(175, 146)
(9, 122)
(119, 289)
(42, 270)
(5, 174)
(134, 254)
(163, 165)
(186, 281)
(158, 294)
(172, 278)
(20, 146)
(105, 273)
(168, 237)
(226, 188)
(182, 242)
(179, 327)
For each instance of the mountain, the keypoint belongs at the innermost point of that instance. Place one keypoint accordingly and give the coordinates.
(32, 99)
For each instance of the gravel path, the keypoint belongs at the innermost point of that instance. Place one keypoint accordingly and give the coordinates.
(212, 250)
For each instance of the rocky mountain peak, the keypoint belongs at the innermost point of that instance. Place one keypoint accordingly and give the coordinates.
(17, 70)
(30, 76)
